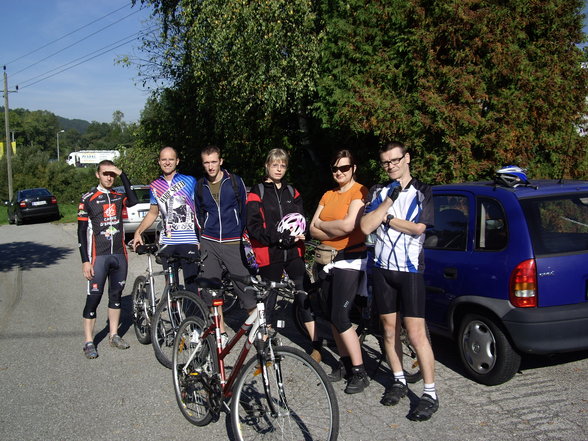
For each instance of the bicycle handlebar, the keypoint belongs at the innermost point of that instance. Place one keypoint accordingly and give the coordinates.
(260, 284)
(149, 248)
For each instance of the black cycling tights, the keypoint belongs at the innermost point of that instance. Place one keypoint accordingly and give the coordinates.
(113, 267)
(340, 288)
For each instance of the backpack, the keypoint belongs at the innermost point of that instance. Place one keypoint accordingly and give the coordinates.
(261, 190)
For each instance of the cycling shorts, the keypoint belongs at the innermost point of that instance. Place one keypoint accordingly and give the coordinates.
(114, 268)
(399, 291)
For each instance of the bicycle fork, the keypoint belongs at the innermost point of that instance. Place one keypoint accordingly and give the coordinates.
(265, 354)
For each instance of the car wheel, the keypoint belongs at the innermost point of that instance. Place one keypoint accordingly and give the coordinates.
(18, 219)
(10, 219)
(485, 351)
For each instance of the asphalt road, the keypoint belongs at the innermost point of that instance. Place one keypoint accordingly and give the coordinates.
(49, 391)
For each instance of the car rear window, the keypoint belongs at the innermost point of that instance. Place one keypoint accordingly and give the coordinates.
(35, 193)
(558, 224)
(142, 194)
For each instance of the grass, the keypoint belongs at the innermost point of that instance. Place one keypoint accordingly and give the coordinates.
(69, 213)
(3, 215)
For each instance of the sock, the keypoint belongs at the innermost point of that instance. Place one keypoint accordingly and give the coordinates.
(399, 376)
(358, 369)
(430, 390)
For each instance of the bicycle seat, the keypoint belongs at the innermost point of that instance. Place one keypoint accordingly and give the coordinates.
(149, 248)
(213, 283)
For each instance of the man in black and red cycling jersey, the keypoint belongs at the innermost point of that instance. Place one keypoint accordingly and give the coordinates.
(103, 252)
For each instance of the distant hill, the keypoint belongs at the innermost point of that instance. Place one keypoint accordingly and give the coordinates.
(64, 123)
(78, 124)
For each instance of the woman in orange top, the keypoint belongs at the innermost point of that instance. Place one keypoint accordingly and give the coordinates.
(336, 223)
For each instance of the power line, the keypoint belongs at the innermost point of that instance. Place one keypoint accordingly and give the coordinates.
(105, 51)
(77, 42)
(66, 35)
(63, 67)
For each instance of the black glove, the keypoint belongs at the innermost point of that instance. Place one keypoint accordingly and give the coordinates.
(393, 195)
(286, 241)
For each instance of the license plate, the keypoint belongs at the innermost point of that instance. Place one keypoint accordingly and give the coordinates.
(35, 203)
(143, 213)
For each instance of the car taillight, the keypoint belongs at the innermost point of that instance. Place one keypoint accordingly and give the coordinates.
(53, 200)
(523, 285)
(125, 215)
(23, 204)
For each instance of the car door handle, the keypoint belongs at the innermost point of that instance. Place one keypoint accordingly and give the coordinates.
(450, 273)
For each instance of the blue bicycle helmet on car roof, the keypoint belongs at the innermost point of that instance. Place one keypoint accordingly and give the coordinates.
(511, 176)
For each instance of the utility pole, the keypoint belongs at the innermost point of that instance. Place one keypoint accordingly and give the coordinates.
(7, 144)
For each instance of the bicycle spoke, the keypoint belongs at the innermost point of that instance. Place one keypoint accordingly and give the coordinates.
(303, 399)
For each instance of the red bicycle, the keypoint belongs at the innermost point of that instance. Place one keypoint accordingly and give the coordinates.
(280, 393)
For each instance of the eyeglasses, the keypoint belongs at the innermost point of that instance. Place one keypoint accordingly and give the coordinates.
(342, 169)
(395, 161)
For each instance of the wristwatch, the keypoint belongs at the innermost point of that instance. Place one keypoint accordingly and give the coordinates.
(388, 219)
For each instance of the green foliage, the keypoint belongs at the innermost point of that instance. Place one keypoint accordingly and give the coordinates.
(469, 85)
(3, 215)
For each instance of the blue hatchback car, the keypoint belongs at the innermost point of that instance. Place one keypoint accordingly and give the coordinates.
(506, 271)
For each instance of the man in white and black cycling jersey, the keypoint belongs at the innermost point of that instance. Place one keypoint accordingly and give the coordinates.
(172, 195)
(399, 213)
(103, 252)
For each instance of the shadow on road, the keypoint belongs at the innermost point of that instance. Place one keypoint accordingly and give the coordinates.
(29, 255)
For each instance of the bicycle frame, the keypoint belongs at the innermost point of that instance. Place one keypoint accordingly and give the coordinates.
(255, 321)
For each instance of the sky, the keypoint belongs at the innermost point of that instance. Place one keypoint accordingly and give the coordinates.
(93, 89)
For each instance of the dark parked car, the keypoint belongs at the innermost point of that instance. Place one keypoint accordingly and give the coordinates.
(32, 203)
(507, 272)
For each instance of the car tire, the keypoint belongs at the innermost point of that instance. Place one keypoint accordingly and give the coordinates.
(485, 350)
(18, 219)
(10, 219)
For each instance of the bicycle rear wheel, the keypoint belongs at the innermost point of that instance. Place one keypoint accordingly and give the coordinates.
(166, 322)
(304, 400)
(193, 372)
(141, 310)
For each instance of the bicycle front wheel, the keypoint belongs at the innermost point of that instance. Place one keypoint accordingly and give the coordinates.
(141, 310)
(194, 363)
(303, 400)
(167, 318)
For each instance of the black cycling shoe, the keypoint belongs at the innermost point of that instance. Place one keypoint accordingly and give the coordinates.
(394, 393)
(358, 382)
(425, 409)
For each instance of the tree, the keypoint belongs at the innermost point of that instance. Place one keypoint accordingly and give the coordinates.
(469, 85)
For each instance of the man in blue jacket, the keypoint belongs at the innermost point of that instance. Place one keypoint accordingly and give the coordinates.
(220, 207)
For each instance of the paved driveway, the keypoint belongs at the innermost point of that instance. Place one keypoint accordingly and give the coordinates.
(49, 391)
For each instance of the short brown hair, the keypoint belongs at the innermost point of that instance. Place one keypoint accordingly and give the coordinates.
(210, 149)
(103, 162)
(392, 145)
(344, 153)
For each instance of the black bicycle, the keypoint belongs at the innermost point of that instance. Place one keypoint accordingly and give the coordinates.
(364, 314)
(157, 314)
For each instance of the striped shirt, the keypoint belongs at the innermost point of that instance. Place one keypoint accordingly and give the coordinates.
(176, 205)
(400, 251)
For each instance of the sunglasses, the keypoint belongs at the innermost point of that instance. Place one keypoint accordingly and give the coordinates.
(342, 169)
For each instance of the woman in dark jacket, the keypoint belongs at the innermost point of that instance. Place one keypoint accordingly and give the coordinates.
(275, 252)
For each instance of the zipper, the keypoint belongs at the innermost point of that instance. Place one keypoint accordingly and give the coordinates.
(281, 213)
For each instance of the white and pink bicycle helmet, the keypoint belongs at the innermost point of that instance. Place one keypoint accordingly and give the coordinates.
(294, 222)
